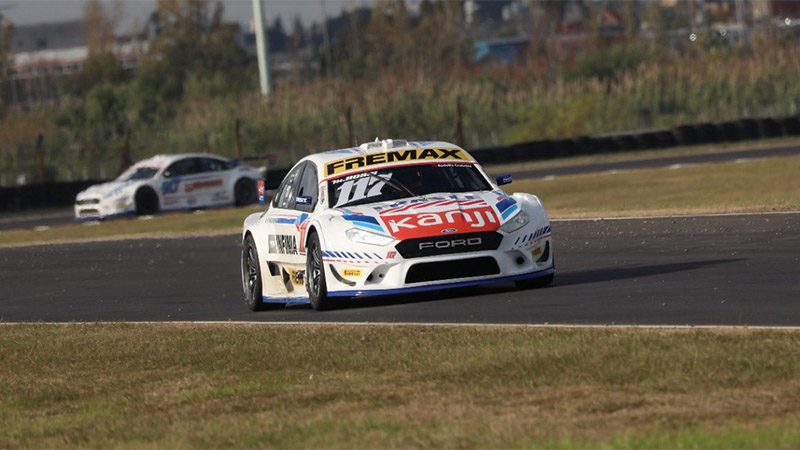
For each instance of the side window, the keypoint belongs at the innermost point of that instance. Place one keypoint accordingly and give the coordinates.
(284, 198)
(212, 165)
(308, 187)
(183, 167)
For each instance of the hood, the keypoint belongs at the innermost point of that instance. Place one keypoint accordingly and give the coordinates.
(106, 190)
(434, 215)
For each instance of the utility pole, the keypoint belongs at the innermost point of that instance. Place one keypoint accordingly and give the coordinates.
(261, 47)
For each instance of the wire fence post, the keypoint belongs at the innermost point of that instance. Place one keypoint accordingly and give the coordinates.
(459, 127)
(40, 158)
(348, 116)
(127, 161)
(238, 137)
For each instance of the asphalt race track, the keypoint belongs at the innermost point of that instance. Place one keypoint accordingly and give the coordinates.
(30, 221)
(725, 270)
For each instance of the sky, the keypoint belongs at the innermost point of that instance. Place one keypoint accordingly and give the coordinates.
(25, 12)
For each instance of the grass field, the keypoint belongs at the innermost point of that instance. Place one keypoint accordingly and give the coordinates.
(172, 385)
(754, 186)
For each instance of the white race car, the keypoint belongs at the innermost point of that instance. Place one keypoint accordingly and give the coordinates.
(391, 217)
(171, 182)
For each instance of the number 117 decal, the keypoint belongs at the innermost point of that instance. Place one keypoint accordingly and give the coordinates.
(361, 188)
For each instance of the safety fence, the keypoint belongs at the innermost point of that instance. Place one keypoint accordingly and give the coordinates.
(54, 194)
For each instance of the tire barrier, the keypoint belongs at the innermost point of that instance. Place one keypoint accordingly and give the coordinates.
(53, 194)
(63, 193)
(41, 195)
(683, 135)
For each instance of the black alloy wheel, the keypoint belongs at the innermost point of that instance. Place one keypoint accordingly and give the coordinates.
(315, 273)
(251, 276)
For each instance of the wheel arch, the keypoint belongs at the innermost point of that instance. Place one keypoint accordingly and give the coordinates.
(152, 191)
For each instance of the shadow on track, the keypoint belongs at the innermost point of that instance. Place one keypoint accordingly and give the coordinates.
(624, 273)
(562, 279)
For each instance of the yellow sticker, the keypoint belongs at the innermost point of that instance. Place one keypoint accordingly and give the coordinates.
(297, 276)
(395, 156)
(351, 272)
(536, 251)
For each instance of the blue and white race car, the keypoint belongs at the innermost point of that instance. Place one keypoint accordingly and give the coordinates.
(391, 217)
(171, 182)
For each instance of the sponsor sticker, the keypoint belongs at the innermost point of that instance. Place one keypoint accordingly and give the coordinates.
(351, 272)
(282, 243)
(170, 186)
(394, 156)
(190, 187)
(297, 276)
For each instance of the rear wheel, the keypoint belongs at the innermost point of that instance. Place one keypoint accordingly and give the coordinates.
(315, 273)
(251, 276)
(146, 202)
(245, 192)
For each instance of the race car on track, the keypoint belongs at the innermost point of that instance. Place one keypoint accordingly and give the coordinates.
(391, 217)
(171, 182)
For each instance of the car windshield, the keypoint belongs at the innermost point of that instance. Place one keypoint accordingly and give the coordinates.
(393, 183)
(139, 173)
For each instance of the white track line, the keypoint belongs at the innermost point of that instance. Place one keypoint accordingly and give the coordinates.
(429, 324)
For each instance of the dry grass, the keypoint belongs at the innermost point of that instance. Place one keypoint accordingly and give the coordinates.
(754, 186)
(337, 386)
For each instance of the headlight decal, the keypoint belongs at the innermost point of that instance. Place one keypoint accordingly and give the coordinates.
(509, 211)
(364, 221)
(367, 237)
(516, 222)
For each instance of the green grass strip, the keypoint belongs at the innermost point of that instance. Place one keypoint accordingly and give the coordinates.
(210, 386)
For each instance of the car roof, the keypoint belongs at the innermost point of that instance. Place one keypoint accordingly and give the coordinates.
(378, 146)
(164, 160)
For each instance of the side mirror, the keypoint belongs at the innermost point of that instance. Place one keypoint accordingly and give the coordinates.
(167, 174)
(304, 200)
(504, 179)
(262, 200)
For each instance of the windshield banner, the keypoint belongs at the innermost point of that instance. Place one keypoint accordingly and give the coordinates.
(395, 156)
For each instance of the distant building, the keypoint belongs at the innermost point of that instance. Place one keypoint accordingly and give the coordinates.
(42, 54)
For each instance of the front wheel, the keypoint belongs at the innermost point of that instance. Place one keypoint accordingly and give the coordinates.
(315, 273)
(146, 202)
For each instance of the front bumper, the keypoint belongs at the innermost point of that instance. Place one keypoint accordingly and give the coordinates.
(102, 210)
(525, 254)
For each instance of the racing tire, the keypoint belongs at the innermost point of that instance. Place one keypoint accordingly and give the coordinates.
(245, 192)
(251, 277)
(315, 274)
(146, 202)
(534, 283)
